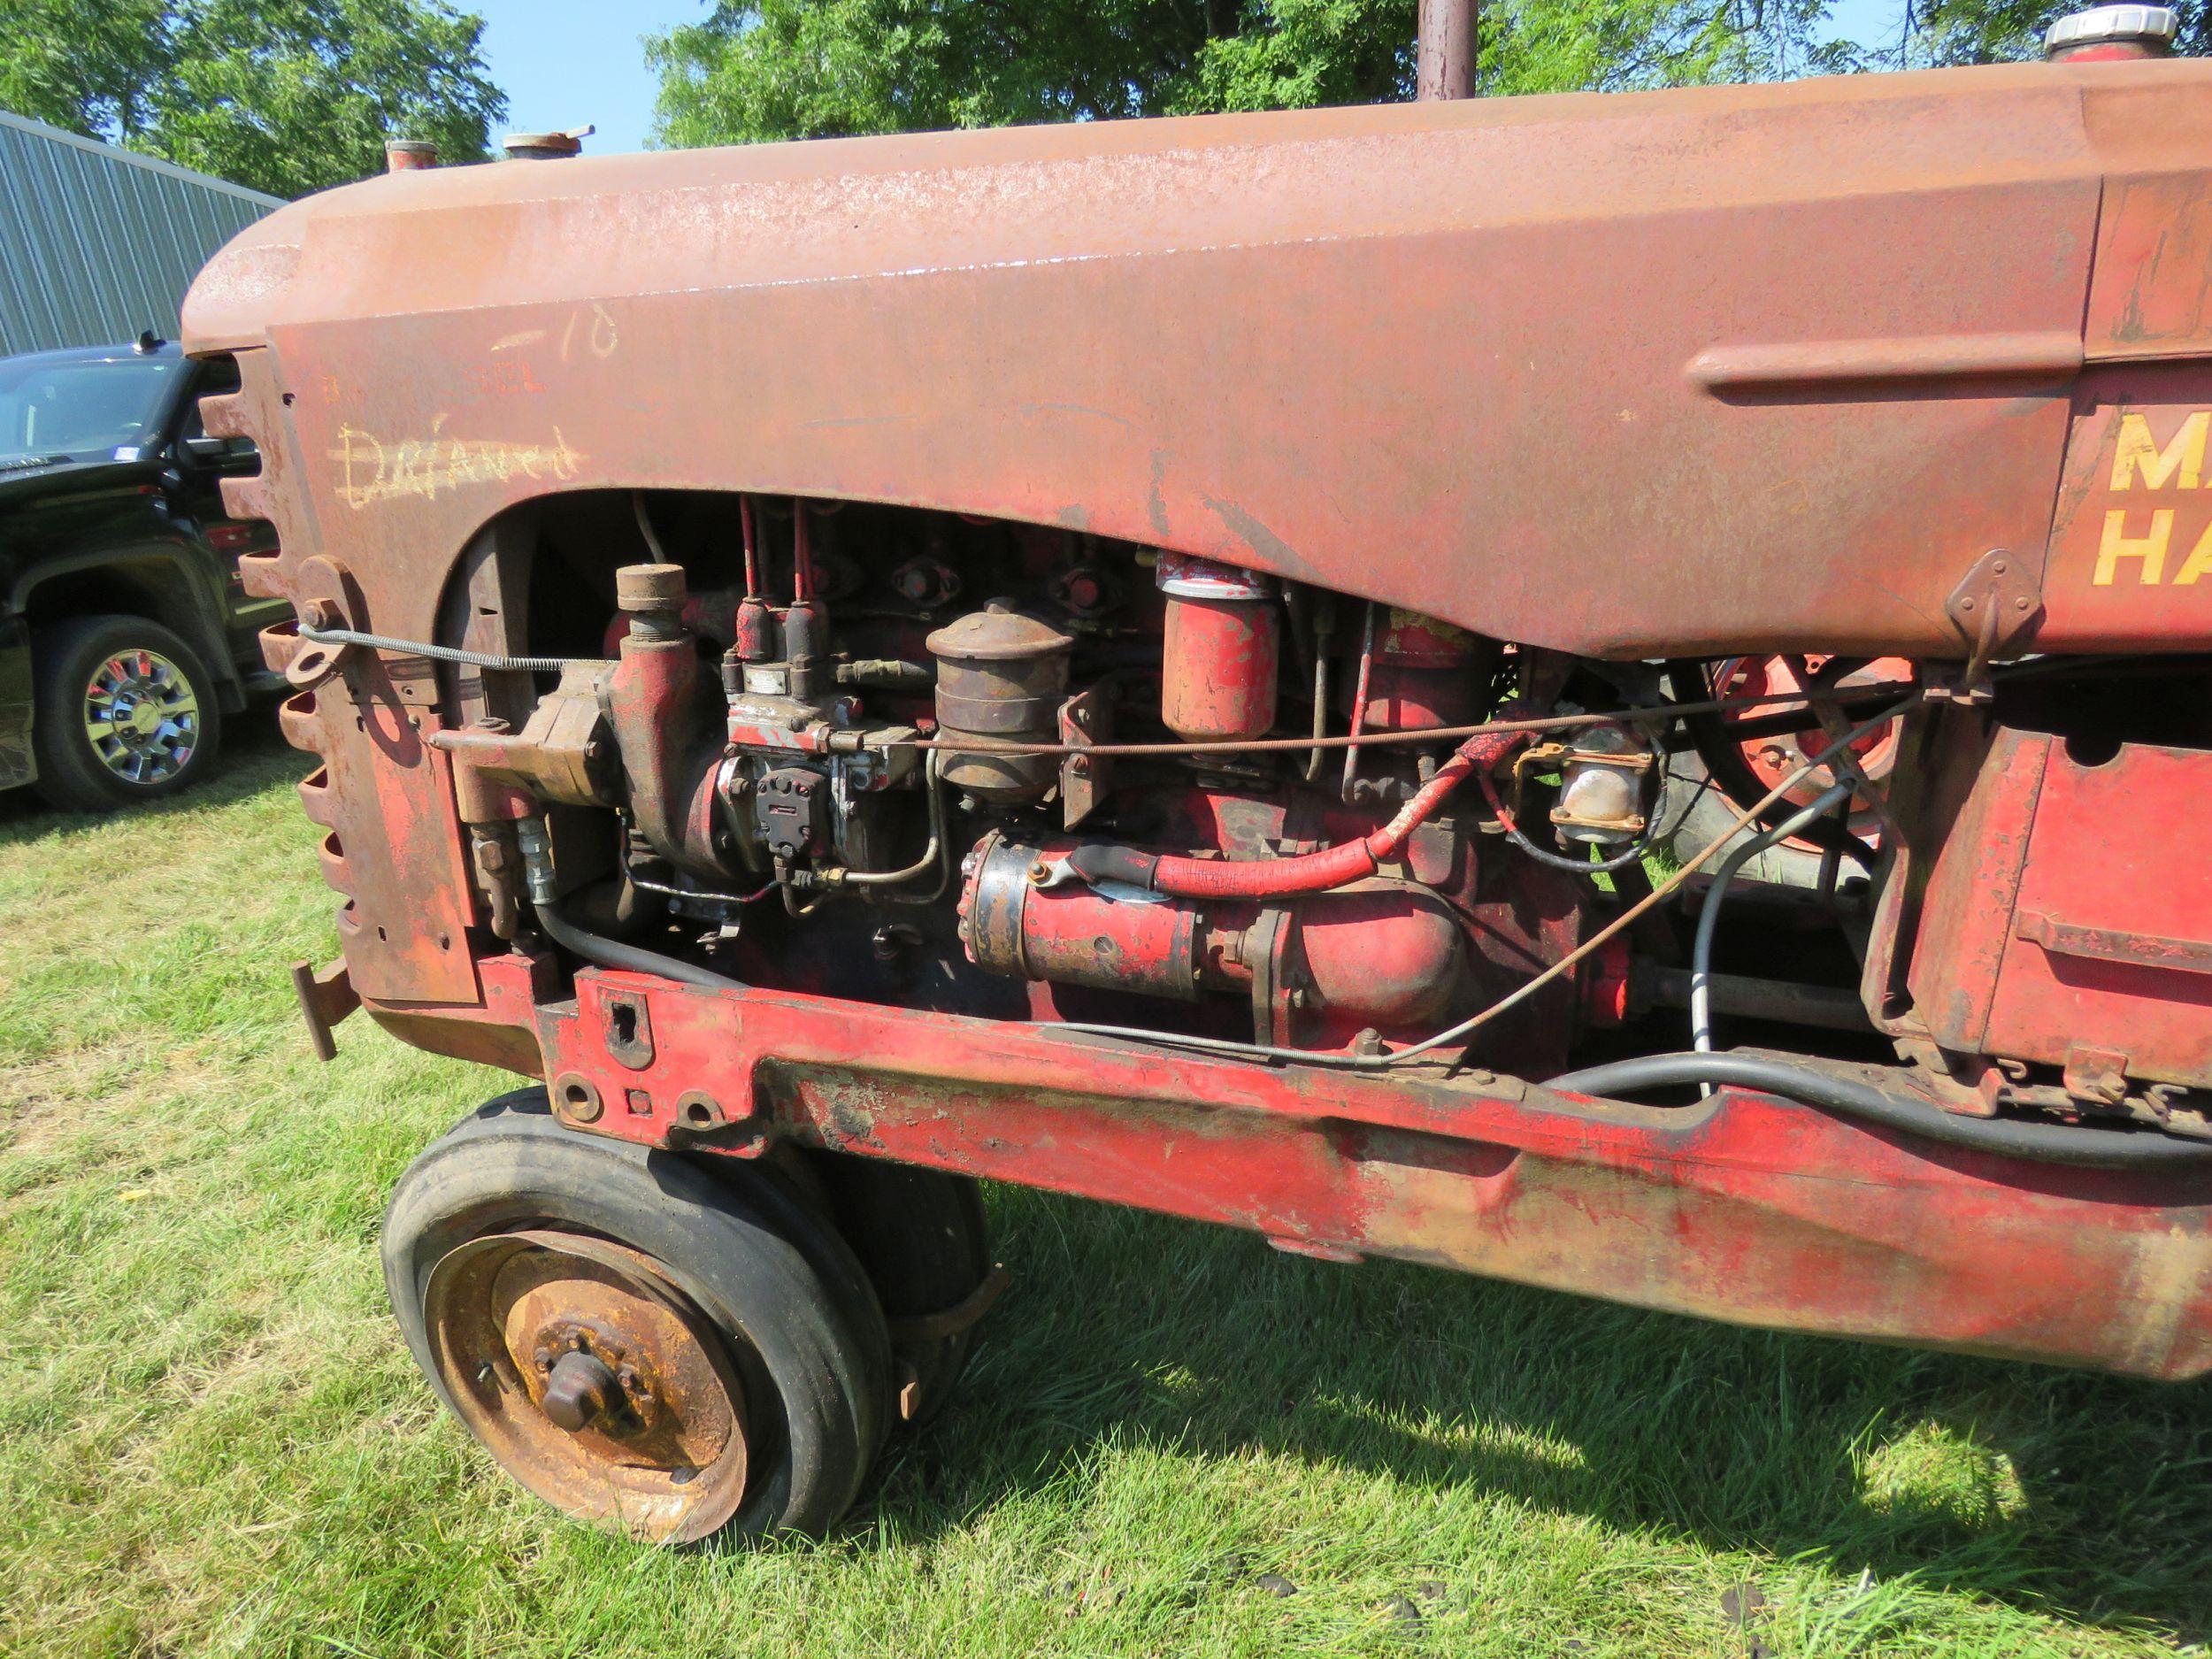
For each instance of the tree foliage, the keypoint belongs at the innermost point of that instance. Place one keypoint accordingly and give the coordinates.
(760, 69)
(757, 69)
(2000, 31)
(285, 95)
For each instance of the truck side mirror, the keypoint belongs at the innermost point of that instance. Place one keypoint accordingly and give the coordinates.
(221, 455)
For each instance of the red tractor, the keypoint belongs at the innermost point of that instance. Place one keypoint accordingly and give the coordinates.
(1171, 661)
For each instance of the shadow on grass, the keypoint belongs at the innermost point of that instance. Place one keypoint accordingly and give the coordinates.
(254, 757)
(2073, 1494)
(2080, 1496)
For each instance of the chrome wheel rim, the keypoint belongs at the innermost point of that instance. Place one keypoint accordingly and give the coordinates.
(142, 717)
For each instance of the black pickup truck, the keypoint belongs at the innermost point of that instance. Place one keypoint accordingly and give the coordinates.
(125, 635)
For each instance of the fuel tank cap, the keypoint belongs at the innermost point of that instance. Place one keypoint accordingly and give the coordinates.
(2119, 31)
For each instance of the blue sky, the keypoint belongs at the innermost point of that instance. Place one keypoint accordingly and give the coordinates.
(566, 62)
(563, 63)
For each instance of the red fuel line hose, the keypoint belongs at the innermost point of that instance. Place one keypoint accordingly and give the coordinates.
(1307, 872)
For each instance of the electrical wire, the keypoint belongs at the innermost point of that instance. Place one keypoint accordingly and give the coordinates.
(645, 527)
(1709, 917)
(1521, 994)
(1628, 855)
(1716, 741)
(1422, 734)
(667, 890)
(1663, 713)
(609, 953)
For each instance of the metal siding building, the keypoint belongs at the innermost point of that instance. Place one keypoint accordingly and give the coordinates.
(97, 243)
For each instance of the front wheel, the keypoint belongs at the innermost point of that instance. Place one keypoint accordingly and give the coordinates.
(126, 712)
(639, 1343)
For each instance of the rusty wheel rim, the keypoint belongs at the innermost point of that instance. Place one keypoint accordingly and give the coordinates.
(588, 1374)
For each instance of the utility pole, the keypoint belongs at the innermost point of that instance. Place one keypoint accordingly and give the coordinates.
(1446, 67)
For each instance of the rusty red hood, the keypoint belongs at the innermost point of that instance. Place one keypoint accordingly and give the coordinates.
(1559, 369)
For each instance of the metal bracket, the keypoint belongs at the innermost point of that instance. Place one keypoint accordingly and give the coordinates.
(629, 1029)
(934, 1328)
(1995, 607)
(2096, 1075)
(1085, 718)
(326, 998)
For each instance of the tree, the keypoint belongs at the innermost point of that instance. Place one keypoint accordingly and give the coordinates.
(285, 95)
(814, 68)
(1998, 31)
(757, 69)
(87, 65)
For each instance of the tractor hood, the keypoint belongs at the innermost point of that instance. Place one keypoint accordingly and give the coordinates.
(1561, 370)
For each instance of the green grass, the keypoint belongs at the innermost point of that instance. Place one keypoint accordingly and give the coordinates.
(212, 1441)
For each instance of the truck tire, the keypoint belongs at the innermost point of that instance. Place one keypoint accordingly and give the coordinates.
(641, 1343)
(124, 711)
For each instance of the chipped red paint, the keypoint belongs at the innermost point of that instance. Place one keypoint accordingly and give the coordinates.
(1745, 1210)
(2079, 920)
(1832, 441)
(1558, 370)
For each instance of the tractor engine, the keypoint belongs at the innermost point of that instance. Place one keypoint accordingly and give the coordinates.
(1040, 774)
(985, 768)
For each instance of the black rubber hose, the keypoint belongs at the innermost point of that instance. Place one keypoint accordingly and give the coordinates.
(1710, 735)
(609, 953)
(2042, 1143)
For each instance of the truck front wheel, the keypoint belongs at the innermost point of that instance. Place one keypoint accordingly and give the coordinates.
(124, 711)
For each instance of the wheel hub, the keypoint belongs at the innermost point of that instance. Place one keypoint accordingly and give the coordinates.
(1773, 759)
(142, 717)
(584, 1369)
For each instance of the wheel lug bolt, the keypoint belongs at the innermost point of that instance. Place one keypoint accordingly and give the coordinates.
(543, 1358)
(632, 1383)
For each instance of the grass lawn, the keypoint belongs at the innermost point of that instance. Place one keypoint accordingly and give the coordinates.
(211, 1440)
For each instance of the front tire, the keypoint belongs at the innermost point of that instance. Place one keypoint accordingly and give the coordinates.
(641, 1343)
(125, 712)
